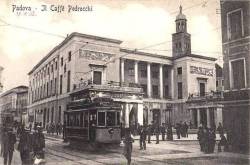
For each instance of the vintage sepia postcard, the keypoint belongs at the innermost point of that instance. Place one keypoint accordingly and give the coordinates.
(120, 82)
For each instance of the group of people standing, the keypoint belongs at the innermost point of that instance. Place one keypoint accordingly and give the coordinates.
(31, 144)
(207, 139)
(52, 128)
(182, 129)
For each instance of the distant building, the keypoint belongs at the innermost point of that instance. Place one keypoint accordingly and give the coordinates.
(219, 78)
(14, 102)
(235, 26)
(1, 84)
(166, 82)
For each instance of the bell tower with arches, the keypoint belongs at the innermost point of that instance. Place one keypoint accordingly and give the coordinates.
(181, 40)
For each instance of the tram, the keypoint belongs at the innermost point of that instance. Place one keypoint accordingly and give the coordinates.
(94, 120)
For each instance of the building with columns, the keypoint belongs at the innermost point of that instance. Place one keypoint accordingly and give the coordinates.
(166, 82)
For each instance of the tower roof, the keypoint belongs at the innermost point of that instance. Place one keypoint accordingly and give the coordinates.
(180, 15)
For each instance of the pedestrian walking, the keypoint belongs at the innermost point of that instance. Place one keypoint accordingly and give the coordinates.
(163, 131)
(206, 140)
(211, 140)
(223, 142)
(149, 132)
(185, 127)
(157, 133)
(178, 130)
(143, 136)
(39, 143)
(220, 129)
(57, 128)
(25, 147)
(200, 138)
(60, 128)
(9, 139)
(128, 145)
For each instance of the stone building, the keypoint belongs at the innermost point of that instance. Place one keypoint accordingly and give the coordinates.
(166, 81)
(236, 45)
(14, 102)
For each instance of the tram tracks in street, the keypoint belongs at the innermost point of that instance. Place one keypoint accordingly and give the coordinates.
(71, 154)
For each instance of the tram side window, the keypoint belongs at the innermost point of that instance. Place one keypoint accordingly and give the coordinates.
(110, 118)
(77, 119)
(118, 118)
(71, 119)
(101, 118)
(81, 119)
(85, 119)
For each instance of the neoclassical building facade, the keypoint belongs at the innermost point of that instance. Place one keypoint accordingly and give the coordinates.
(166, 82)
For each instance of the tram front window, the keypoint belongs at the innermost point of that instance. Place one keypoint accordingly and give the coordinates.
(110, 118)
(101, 118)
(118, 118)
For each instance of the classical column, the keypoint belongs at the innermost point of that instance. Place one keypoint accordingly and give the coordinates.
(198, 117)
(122, 70)
(140, 113)
(219, 118)
(149, 79)
(172, 83)
(208, 118)
(161, 80)
(136, 71)
(127, 109)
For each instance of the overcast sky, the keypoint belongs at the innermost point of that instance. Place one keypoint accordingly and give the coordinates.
(137, 23)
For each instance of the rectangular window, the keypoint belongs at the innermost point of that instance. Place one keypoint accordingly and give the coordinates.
(101, 118)
(61, 61)
(51, 87)
(69, 56)
(97, 77)
(217, 83)
(166, 74)
(166, 91)
(144, 73)
(52, 114)
(155, 74)
(179, 90)
(131, 71)
(55, 86)
(85, 119)
(59, 114)
(61, 81)
(234, 24)
(47, 93)
(179, 70)
(118, 118)
(202, 89)
(144, 88)
(56, 66)
(68, 81)
(238, 74)
(110, 118)
(155, 91)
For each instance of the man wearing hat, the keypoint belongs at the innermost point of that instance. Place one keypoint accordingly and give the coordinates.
(39, 143)
(9, 139)
(25, 146)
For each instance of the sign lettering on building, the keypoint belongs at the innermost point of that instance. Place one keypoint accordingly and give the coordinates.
(92, 55)
(202, 71)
